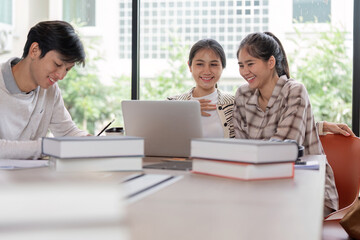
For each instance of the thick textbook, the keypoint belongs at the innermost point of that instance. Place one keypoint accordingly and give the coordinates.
(244, 150)
(93, 146)
(243, 171)
(56, 198)
(61, 206)
(96, 164)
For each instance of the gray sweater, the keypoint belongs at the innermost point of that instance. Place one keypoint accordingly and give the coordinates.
(27, 117)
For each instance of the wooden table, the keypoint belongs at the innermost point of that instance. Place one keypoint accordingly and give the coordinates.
(207, 207)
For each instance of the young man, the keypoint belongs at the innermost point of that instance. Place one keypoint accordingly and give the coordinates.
(30, 100)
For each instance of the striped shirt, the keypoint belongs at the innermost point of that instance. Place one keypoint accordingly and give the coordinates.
(287, 115)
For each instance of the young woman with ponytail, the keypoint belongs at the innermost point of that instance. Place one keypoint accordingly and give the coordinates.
(272, 105)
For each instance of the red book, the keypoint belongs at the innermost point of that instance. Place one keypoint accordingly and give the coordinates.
(243, 171)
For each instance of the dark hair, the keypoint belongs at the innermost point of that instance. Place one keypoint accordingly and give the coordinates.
(59, 36)
(209, 44)
(263, 46)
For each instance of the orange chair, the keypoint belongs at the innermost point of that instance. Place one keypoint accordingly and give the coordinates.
(343, 155)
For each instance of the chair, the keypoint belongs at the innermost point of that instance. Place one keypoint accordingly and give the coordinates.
(343, 155)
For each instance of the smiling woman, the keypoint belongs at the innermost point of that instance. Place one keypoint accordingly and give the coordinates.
(206, 63)
(206, 70)
(273, 106)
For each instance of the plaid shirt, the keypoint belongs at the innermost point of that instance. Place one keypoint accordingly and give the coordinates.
(288, 115)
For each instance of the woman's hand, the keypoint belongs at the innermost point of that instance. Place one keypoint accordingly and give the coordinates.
(205, 106)
(337, 128)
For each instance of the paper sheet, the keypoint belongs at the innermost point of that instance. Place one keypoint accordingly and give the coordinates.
(308, 165)
(140, 185)
(18, 164)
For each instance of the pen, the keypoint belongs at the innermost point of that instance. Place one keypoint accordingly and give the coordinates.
(105, 127)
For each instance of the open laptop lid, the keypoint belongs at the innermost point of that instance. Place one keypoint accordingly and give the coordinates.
(166, 126)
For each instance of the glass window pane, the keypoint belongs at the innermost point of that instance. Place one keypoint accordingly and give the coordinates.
(6, 11)
(82, 11)
(321, 56)
(218, 19)
(312, 10)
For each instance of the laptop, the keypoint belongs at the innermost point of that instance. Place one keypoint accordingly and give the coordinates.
(166, 126)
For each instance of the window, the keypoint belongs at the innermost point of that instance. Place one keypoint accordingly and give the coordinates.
(221, 20)
(6, 11)
(81, 10)
(312, 10)
(169, 28)
(5, 26)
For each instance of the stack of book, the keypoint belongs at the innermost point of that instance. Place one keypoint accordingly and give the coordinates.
(58, 206)
(243, 159)
(94, 153)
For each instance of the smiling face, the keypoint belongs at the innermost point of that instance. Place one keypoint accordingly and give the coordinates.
(206, 70)
(46, 71)
(255, 71)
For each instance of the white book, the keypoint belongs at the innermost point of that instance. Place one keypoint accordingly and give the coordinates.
(244, 150)
(96, 164)
(50, 198)
(115, 231)
(18, 163)
(93, 146)
(243, 171)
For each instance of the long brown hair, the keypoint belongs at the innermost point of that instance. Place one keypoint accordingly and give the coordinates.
(263, 46)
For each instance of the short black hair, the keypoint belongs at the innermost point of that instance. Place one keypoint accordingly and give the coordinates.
(209, 44)
(59, 36)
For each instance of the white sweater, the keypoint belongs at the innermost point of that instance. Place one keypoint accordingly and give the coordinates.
(26, 117)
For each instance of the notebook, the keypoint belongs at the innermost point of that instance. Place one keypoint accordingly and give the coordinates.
(166, 126)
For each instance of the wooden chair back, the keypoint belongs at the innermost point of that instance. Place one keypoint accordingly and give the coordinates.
(343, 155)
